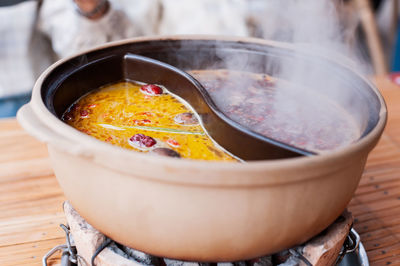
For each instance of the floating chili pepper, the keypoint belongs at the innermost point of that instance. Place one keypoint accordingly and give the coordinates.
(151, 89)
(141, 122)
(84, 113)
(146, 113)
(145, 121)
(173, 143)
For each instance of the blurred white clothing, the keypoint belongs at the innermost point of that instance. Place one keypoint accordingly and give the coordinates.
(25, 50)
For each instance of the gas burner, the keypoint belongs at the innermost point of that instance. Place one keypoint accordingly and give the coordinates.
(339, 244)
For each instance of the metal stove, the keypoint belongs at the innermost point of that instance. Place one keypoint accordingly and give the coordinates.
(339, 244)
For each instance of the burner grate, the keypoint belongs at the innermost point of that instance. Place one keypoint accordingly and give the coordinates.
(87, 246)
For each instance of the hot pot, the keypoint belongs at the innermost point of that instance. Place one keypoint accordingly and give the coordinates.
(197, 210)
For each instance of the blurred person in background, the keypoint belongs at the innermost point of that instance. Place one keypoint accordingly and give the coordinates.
(34, 34)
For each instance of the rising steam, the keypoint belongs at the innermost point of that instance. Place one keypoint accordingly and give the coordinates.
(314, 101)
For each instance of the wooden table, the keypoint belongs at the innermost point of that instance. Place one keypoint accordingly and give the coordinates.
(31, 200)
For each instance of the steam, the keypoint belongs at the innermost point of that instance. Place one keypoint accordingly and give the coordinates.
(310, 22)
(313, 26)
(312, 98)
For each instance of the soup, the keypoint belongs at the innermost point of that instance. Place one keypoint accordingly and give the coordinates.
(313, 123)
(145, 118)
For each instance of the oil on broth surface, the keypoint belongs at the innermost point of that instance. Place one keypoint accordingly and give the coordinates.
(144, 119)
(280, 110)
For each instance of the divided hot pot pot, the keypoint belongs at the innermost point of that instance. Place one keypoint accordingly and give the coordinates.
(199, 210)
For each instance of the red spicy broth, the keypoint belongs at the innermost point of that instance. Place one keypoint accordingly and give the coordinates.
(313, 123)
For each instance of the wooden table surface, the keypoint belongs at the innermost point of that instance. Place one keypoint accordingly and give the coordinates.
(31, 200)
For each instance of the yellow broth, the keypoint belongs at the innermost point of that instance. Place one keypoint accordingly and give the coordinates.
(117, 112)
